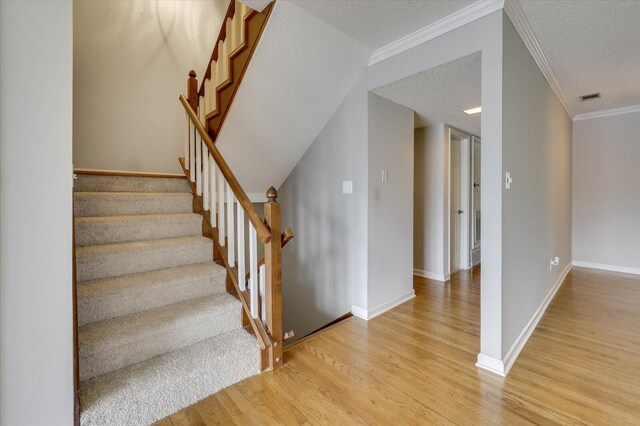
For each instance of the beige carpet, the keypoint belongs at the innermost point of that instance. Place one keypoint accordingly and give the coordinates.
(157, 330)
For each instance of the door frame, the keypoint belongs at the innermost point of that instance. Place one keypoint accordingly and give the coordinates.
(465, 193)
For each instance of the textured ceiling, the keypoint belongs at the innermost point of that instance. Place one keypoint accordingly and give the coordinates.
(441, 93)
(380, 22)
(592, 46)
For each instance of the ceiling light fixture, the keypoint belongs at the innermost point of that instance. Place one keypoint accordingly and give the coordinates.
(471, 111)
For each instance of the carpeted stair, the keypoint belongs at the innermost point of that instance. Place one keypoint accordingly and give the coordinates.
(157, 330)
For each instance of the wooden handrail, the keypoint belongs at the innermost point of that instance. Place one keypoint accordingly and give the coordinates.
(262, 230)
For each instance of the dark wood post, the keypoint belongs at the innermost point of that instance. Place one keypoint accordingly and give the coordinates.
(273, 282)
(192, 91)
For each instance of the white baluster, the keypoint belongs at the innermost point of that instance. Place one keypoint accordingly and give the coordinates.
(253, 270)
(263, 299)
(221, 221)
(241, 261)
(199, 165)
(231, 235)
(192, 159)
(205, 176)
(212, 185)
(186, 139)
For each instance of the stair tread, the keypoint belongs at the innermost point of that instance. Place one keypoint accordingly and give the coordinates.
(98, 230)
(112, 297)
(126, 329)
(143, 393)
(169, 217)
(160, 245)
(115, 183)
(115, 343)
(88, 204)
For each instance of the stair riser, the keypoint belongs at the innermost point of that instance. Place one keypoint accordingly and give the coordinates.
(88, 234)
(118, 205)
(105, 265)
(174, 336)
(128, 300)
(98, 183)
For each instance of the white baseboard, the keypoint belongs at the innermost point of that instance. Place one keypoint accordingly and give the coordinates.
(503, 366)
(382, 308)
(604, 267)
(491, 364)
(431, 275)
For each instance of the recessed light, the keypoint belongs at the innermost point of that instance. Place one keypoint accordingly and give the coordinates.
(590, 96)
(471, 111)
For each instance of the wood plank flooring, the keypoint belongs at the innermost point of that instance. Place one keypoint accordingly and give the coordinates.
(415, 365)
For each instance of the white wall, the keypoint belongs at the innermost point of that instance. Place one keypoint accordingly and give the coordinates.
(36, 335)
(131, 62)
(536, 211)
(429, 201)
(606, 195)
(390, 205)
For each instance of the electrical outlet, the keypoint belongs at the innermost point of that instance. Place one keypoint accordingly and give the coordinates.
(508, 180)
(554, 262)
(347, 187)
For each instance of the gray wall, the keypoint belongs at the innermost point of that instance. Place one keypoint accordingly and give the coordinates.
(606, 198)
(325, 268)
(36, 355)
(429, 198)
(325, 265)
(131, 62)
(390, 206)
(536, 214)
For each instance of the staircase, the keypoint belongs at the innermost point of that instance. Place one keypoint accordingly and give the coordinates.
(172, 302)
(157, 330)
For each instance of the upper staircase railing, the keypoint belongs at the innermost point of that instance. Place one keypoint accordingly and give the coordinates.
(227, 210)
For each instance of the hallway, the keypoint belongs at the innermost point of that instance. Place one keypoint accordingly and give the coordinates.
(415, 365)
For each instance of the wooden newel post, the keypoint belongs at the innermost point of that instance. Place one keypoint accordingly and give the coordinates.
(273, 282)
(192, 90)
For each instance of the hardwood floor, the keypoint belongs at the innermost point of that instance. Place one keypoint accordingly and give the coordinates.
(415, 365)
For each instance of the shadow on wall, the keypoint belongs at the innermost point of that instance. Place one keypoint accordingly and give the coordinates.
(311, 290)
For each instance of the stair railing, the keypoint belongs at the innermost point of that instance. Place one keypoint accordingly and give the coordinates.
(228, 210)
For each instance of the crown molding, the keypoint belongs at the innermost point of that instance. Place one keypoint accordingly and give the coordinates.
(607, 112)
(462, 17)
(514, 11)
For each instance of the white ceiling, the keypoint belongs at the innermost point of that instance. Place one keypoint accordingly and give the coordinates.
(378, 23)
(441, 94)
(591, 46)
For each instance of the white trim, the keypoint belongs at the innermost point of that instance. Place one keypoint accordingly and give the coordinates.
(491, 364)
(604, 267)
(503, 366)
(522, 339)
(430, 275)
(359, 312)
(515, 13)
(457, 19)
(382, 308)
(607, 112)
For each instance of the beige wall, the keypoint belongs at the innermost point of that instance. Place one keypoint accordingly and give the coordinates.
(130, 63)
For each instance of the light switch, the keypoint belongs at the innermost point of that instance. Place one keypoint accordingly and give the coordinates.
(385, 176)
(508, 180)
(347, 187)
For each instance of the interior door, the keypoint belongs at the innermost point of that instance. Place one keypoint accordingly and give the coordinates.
(455, 204)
